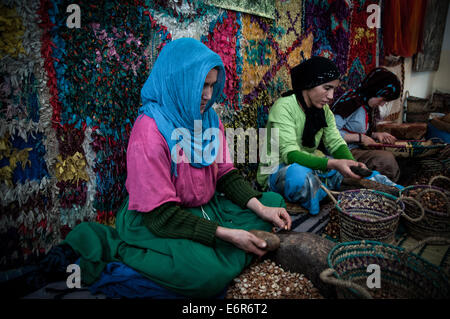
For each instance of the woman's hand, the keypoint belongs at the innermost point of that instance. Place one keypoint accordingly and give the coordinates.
(367, 140)
(278, 216)
(343, 166)
(384, 137)
(243, 240)
(355, 138)
(249, 242)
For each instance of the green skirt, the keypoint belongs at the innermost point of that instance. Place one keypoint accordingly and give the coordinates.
(180, 265)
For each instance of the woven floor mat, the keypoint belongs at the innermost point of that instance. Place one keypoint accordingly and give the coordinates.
(438, 255)
(307, 223)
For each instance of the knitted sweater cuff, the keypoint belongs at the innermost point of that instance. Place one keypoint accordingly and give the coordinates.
(171, 221)
(205, 232)
(236, 188)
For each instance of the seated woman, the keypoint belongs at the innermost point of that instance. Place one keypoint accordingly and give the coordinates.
(175, 227)
(303, 119)
(356, 112)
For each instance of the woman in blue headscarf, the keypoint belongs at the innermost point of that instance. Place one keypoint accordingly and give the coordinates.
(176, 228)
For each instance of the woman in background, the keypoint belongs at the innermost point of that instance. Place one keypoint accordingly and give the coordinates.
(356, 113)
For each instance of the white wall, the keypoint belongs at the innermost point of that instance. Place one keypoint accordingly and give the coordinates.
(423, 84)
(442, 77)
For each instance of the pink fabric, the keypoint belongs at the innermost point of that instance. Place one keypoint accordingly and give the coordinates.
(149, 181)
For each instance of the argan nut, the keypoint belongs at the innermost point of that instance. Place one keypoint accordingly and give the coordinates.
(361, 171)
(272, 240)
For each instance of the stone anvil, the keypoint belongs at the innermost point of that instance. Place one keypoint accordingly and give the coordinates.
(305, 253)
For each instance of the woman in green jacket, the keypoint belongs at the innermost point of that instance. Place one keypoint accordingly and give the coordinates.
(302, 119)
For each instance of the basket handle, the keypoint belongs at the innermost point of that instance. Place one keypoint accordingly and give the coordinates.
(327, 277)
(415, 201)
(326, 190)
(329, 193)
(426, 241)
(438, 177)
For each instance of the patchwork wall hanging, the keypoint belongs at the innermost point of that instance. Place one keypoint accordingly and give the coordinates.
(69, 95)
(263, 8)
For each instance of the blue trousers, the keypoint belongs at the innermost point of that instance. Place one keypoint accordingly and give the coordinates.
(298, 184)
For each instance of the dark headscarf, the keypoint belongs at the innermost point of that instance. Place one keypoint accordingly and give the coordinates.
(307, 75)
(380, 82)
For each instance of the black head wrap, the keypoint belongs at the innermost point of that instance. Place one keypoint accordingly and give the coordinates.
(307, 75)
(380, 82)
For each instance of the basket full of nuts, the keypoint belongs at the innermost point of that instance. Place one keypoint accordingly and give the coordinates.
(371, 269)
(370, 214)
(436, 203)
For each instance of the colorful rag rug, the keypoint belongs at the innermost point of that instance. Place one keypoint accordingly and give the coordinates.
(69, 96)
(263, 8)
(341, 34)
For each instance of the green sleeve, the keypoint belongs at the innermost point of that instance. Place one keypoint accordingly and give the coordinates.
(171, 221)
(315, 162)
(282, 118)
(308, 160)
(332, 138)
(236, 188)
(343, 153)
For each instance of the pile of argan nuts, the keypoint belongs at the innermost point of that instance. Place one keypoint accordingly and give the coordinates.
(429, 200)
(333, 227)
(266, 280)
(434, 202)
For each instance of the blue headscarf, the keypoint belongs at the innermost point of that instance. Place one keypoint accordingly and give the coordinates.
(172, 96)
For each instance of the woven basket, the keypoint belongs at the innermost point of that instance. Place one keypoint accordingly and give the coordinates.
(411, 148)
(403, 274)
(434, 166)
(434, 223)
(369, 214)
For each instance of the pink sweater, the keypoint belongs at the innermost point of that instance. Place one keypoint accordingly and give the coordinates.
(150, 182)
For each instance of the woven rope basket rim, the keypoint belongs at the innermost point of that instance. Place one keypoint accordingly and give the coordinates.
(406, 147)
(437, 144)
(376, 246)
(359, 219)
(411, 151)
(365, 244)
